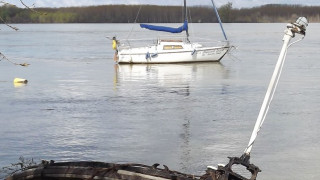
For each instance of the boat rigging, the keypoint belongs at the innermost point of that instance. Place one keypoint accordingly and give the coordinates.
(171, 50)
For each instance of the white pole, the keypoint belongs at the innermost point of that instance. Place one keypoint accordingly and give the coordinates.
(271, 89)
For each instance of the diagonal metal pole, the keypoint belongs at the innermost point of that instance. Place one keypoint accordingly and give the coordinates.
(292, 29)
(217, 13)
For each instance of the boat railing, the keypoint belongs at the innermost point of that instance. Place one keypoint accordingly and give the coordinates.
(209, 42)
(147, 42)
(172, 39)
(136, 43)
(205, 42)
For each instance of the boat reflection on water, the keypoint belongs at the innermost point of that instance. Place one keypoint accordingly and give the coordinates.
(166, 78)
(170, 90)
(171, 83)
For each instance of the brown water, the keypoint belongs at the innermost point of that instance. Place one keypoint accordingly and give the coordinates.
(79, 105)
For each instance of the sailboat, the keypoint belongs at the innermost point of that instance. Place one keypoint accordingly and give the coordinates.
(49, 170)
(171, 50)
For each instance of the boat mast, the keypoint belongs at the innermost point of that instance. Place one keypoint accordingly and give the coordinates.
(218, 17)
(186, 16)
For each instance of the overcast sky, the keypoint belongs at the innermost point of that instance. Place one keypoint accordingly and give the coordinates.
(236, 3)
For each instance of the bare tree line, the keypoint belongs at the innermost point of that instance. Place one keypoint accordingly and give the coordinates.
(158, 14)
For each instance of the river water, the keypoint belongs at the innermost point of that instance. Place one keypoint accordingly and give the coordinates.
(80, 105)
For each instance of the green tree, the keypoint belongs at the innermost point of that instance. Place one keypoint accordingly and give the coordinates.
(225, 12)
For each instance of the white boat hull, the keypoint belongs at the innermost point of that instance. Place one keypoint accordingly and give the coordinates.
(172, 52)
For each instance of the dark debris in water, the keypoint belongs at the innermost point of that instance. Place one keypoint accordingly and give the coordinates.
(99, 170)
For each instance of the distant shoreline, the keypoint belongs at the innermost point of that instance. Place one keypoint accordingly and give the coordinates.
(272, 13)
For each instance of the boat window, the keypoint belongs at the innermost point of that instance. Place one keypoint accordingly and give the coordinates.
(170, 40)
(171, 47)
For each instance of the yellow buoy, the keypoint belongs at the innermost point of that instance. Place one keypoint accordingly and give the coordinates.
(20, 81)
